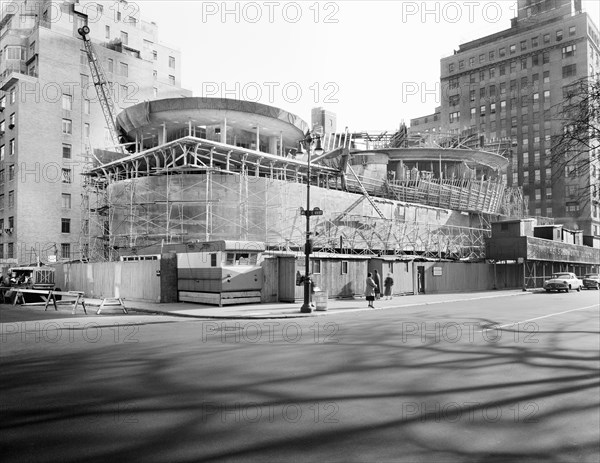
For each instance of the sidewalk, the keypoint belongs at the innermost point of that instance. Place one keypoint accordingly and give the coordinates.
(292, 310)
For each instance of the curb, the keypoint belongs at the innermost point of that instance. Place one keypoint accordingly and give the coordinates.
(318, 313)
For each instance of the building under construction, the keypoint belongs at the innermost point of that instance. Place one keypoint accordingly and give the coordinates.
(202, 169)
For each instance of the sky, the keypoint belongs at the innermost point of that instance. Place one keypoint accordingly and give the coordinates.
(374, 63)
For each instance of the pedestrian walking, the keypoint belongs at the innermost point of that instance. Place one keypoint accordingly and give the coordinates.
(370, 289)
(376, 280)
(388, 283)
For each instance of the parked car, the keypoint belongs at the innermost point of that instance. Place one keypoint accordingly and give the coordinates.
(563, 281)
(591, 280)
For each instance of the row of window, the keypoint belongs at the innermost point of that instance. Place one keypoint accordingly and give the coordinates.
(500, 106)
(512, 49)
(65, 249)
(568, 70)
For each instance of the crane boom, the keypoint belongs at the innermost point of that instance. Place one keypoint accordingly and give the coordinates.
(102, 88)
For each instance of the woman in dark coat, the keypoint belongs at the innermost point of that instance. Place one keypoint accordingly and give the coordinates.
(370, 289)
(377, 282)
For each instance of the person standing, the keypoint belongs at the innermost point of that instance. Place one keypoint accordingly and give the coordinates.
(370, 289)
(388, 283)
(377, 282)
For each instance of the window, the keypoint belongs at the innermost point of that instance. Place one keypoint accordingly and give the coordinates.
(11, 198)
(66, 201)
(83, 59)
(535, 60)
(454, 100)
(155, 74)
(572, 207)
(492, 55)
(86, 130)
(316, 266)
(536, 97)
(492, 73)
(65, 225)
(172, 62)
(2, 102)
(344, 267)
(481, 76)
(569, 70)
(503, 69)
(172, 80)
(124, 38)
(111, 65)
(523, 63)
(10, 250)
(31, 49)
(2, 154)
(2, 204)
(123, 69)
(66, 151)
(512, 49)
(154, 55)
(473, 112)
(546, 38)
(502, 52)
(569, 51)
(513, 67)
(85, 80)
(534, 41)
(67, 126)
(86, 106)
(67, 102)
(15, 52)
(502, 88)
(481, 57)
(66, 176)
(472, 96)
(472, 78)
(11, 147)
(502, 106)
(13, 95)
(546, 57)
(492, 90)
(546, 77)
(559, 35)
(493, 108)
(455, 116)
(482, 111)
(65, 250)
(546, 95)
(572, 31)
(482, 92)
(523, 45)
(107, 32)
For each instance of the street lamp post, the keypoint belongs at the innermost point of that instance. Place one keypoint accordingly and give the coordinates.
(307, 143)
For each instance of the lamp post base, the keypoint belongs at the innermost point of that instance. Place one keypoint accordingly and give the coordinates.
(307, 308)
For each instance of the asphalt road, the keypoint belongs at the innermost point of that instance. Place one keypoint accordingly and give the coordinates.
(509, 379)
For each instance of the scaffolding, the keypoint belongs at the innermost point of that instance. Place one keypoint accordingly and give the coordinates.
(194, 189)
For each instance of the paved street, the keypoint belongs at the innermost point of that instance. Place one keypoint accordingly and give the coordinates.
(498, 379)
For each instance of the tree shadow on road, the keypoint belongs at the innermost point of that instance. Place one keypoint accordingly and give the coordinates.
(382, 392)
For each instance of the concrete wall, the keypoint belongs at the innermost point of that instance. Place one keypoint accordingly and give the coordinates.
(269, 213)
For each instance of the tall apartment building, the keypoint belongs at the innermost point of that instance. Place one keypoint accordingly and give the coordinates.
(51, 119)
(506, 84)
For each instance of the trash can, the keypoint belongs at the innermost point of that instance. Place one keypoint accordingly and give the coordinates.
(320, 300)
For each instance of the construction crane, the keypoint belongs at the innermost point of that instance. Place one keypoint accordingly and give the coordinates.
(102, 88)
